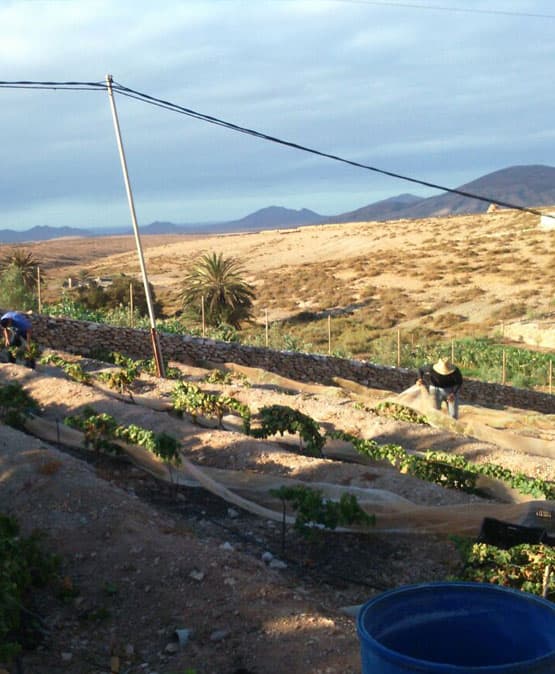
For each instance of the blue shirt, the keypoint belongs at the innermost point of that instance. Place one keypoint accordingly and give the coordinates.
(19, 321)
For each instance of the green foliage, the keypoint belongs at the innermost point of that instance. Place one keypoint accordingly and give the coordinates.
(162, 444)
(15, 405)
(521, 567)
(25, 353)
(121, 380)
(223, 332)
(225, 377)
(118, 295)
(314, 512)
(102, 429)
(399, 412)
(479, 358)
(219, 377)
(115, 299)
(282, 419)
(149, 366)
(217, 283)
(73, 370)
(23, 566)
(448, 470)
(99, 429)
(14, 293)
(71, 307)
(278, 338)
(25, 264)
(189, 398)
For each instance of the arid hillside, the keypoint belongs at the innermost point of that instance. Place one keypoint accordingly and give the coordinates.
(455, 276)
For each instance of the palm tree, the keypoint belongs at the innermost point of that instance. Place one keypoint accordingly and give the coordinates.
(23, 261)
(218, 282)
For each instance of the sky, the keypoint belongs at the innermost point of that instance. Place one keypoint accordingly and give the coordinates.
(444, 92)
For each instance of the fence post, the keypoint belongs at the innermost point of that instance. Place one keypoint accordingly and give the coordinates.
(398, 347)
(202, 314)
(504, 368)
(39, 299)
(266, 325)
(550, 376)
(131, 306)
(329, 334)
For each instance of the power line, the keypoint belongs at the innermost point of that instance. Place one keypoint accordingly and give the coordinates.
(440, 8)
(174, 107)
(76, 86)
(234, 127)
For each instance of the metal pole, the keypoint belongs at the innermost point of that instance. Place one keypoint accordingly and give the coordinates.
(160, 371)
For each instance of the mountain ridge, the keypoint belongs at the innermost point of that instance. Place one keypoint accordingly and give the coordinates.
(523, 185)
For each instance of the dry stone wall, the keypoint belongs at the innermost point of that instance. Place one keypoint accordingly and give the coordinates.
(85, 338)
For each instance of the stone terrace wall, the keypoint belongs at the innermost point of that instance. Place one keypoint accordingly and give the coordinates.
(82, 337)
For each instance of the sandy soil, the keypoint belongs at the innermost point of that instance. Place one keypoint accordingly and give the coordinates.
(145, 558)
(461, 275)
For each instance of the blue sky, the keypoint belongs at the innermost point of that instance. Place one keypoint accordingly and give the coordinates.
(441, 91)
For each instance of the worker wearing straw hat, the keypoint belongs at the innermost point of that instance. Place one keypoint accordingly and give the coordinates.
(445, 383)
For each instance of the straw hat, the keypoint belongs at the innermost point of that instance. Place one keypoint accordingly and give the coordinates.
(444, 366)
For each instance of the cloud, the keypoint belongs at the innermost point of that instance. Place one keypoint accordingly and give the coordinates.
(436, 94)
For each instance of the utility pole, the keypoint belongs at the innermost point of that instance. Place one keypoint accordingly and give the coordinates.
(160, 370)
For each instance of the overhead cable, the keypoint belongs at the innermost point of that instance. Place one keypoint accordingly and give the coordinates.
(174, 107)
(445, 8)
(241, 129)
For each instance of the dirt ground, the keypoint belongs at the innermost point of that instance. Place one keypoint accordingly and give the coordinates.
(144, 561)
(458, 275)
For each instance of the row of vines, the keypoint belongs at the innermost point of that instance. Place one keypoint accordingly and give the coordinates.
(521, 566)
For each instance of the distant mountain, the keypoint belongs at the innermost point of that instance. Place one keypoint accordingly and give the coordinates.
(381, 210)
(271, 217)
(158, 227)
(531, 186)
(517, 185)
(41, 233)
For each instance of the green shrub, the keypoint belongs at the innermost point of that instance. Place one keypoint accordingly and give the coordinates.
(282, 419)
(189, 398)
(15, 405)
(521, 567)
(23, 566)
(314, 511)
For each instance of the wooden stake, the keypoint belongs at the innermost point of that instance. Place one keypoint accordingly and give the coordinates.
(546, 577)
(398, 347)
(39, 301)
(131, 307)
(266, 325)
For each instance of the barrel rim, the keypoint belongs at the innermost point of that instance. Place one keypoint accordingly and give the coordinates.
(395, 657)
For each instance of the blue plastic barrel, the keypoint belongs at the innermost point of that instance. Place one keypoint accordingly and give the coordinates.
(457, 628)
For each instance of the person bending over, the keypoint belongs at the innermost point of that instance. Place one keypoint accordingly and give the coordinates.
(445, 383)
(16, 328)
